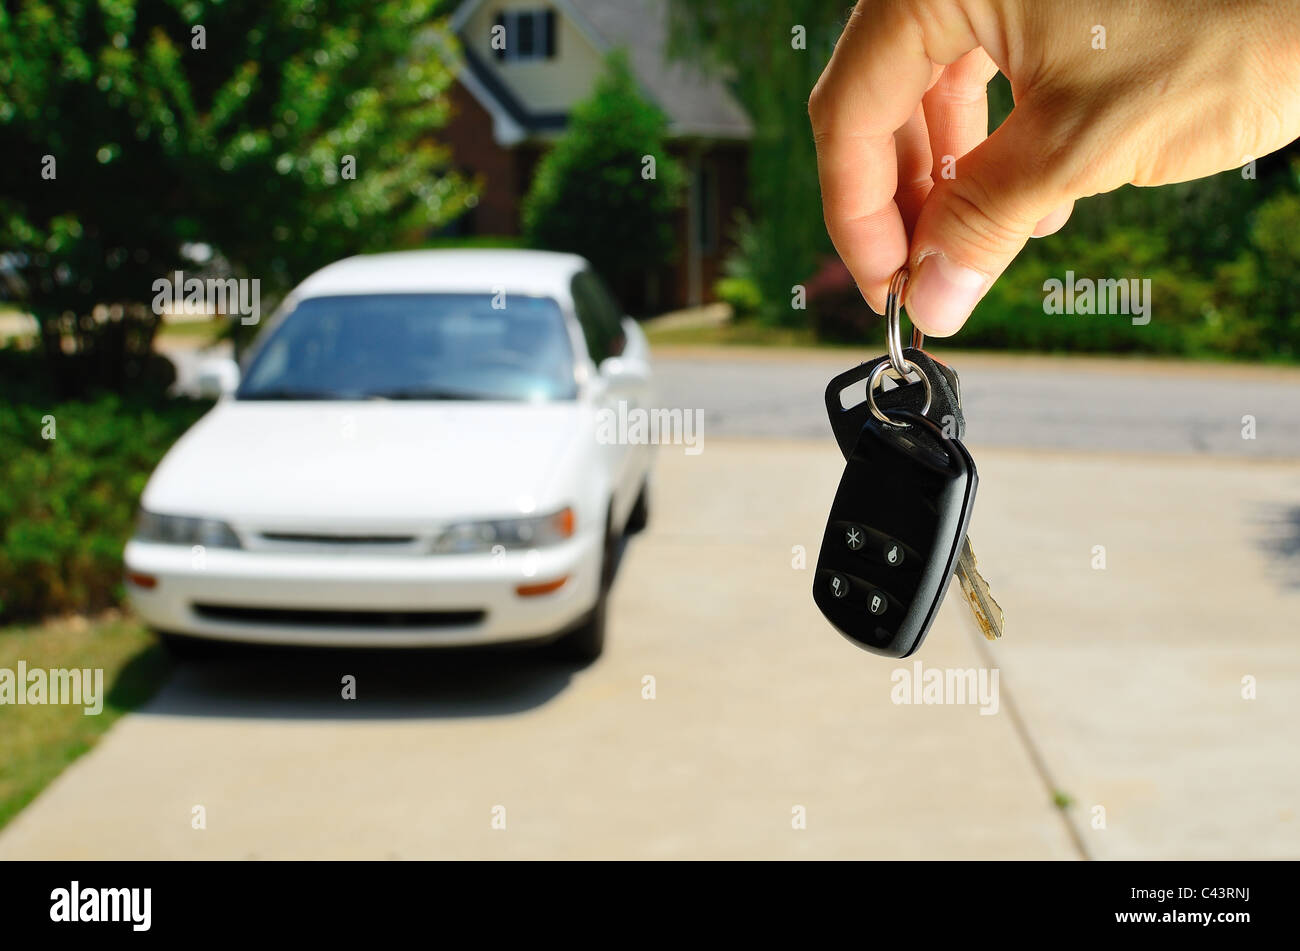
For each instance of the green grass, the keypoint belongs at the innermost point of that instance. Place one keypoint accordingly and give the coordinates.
(474, 241)
(753, 334)
(39, 742)
(202, 329)
(736, 334)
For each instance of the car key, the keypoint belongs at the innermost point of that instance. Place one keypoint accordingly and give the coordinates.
(945, 410)
(895, 533)
(988, 615)
(940, 401)
(940, 382)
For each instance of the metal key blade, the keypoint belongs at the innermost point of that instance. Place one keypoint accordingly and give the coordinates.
(988, 615)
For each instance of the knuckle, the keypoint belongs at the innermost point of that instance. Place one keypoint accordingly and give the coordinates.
(817, 105)
(980, 222)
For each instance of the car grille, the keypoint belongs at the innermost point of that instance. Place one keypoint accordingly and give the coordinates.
(314, 617)
(304, 539)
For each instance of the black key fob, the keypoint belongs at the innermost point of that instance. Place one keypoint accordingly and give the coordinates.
(945, 399)
(894, 533)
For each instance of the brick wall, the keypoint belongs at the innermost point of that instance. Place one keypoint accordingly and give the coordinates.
(505, 176)
(475, 152)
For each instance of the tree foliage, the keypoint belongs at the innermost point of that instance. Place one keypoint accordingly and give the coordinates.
(1219, 251)
(219, 124)
(772, 51)
(592, 193)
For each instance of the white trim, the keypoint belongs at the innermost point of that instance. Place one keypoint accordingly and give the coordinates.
(463, 13)
(508, 132)
(469, 7)
(580, 21)
(505, 130)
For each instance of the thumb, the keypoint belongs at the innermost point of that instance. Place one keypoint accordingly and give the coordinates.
(972, 226)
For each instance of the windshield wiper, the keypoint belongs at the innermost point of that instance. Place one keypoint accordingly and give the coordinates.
(286, 393)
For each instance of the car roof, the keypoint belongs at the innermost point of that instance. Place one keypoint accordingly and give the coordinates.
(535, 273)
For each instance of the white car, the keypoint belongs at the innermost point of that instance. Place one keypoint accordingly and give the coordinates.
(410, 457)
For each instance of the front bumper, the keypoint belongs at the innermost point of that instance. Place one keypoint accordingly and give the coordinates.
(331, 599)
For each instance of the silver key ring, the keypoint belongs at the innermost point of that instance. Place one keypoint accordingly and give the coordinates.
(878, 372)
(893, 332)
(897, 364)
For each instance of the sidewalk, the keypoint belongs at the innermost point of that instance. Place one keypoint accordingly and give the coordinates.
(1127, 683)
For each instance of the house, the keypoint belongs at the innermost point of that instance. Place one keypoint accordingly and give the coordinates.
(511, 104)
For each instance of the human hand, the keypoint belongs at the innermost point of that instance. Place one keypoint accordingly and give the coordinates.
(1181, 89)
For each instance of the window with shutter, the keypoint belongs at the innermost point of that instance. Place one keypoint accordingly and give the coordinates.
(530, 35)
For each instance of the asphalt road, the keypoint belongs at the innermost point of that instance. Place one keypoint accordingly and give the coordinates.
(1010, 402)
(1013, 402)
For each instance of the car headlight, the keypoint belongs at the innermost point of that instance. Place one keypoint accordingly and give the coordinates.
(179, 530)
(508, 533)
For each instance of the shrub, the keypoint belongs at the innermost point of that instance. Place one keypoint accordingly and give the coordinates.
(837, 311)
(741, 293)
(68, 504)
(589, 196)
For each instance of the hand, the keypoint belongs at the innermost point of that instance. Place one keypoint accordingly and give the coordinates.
(1181, 89)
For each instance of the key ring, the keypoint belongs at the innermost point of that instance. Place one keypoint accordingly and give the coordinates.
(897, 364)
(877, 373)
(893, 333)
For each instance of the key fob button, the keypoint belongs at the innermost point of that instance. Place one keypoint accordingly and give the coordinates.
(894, 533)
(871, 544)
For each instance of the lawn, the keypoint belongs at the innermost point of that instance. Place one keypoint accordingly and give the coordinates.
(39, 742)
(737, 333)
(204, 330)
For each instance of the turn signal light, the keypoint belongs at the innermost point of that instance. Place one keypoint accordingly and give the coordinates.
(545, 587)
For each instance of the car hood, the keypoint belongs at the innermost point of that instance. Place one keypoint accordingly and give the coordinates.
(369, 463)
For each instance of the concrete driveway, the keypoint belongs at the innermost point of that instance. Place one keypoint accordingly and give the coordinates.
(1120, 696)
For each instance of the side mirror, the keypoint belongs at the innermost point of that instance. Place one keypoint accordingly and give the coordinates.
(622, 369)
(218, 377)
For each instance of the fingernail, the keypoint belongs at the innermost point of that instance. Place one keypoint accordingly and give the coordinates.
(942, 293)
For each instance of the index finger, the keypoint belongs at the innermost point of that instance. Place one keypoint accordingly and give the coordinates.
(870, 88)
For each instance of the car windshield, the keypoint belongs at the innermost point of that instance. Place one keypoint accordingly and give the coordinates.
(415, 347)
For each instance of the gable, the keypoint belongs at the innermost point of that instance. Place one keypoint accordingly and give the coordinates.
(530, 95)
(543, 84)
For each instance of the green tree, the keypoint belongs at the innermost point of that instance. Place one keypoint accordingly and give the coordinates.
(773, 51)
(1212, 247)
(594, 194)
(131, 128)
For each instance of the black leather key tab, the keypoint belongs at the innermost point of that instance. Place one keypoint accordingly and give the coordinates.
(894, 533)
(945, 402)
